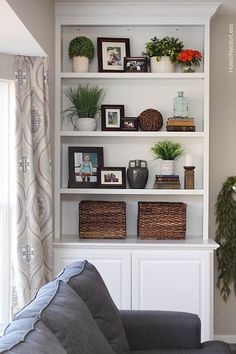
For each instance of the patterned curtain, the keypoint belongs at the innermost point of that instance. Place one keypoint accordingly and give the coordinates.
(32, 264)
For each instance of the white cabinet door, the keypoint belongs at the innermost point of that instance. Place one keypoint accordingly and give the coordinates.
(114, 267)
(174, 281)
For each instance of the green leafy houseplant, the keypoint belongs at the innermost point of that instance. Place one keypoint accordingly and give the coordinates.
(226, 237)
(86, 102)
(167, 150)
(81, 46)
(167, 46)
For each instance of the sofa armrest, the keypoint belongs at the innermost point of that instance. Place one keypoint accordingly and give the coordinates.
(216, 347)
(161, 329)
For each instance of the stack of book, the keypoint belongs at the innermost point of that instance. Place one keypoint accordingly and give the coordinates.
(180, 124)
(167, 182)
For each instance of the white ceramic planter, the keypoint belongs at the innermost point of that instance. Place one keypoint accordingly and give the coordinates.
(80, 64)
(164, 65)
(86, 124)
(167, 167)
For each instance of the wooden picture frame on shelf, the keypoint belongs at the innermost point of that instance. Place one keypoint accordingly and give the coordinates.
(112, 177)
(111, 53)
(83, 166)
(135, 64)
(111, 116)
(129, 123)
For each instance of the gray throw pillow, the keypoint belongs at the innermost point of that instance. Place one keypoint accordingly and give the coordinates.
(84, 278)
(29, 335)
(62, 310)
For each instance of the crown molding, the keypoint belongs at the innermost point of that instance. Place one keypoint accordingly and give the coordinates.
(132, 13)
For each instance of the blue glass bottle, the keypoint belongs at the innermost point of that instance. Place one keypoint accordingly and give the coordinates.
(180, 106)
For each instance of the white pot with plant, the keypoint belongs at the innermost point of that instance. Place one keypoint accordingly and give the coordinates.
(80, 50)
(163, 53)
(85, 109)
(168, 151)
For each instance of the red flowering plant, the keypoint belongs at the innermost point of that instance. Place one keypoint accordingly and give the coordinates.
(189, 57)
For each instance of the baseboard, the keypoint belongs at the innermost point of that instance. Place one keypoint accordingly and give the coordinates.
(231, 338)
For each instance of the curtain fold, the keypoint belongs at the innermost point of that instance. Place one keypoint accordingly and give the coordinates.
(32, 262)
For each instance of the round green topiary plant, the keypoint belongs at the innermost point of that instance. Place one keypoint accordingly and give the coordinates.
(81, 46)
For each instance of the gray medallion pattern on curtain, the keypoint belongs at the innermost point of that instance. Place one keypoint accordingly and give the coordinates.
(33, 261)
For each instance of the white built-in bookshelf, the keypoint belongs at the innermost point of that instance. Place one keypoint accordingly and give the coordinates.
(137, 92)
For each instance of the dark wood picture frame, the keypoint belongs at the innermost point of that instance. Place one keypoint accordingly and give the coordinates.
(111, 53)
(111, 116)
(135, 64)
(112, 177)
(83, 166)
(129, 123)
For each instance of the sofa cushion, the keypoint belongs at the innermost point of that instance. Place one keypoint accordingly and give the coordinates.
(210, 347)
(84, 278)
(63, 311)
(26, 335)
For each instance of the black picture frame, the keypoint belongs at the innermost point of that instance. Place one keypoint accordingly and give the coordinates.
(135, 64)
(112, 177)
(111, 116)
(84, 175)
(129, 123)
(111, 53)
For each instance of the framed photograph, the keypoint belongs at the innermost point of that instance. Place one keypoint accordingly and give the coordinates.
(111, 53)
(135, 64)
(111, 177)
(111, 116)
(83, 166)
(129, 123)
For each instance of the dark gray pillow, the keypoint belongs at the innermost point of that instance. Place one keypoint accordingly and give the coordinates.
(29, 335)
(84, 278)
(66, 315)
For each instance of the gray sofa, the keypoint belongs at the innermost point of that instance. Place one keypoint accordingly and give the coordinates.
(75, 314)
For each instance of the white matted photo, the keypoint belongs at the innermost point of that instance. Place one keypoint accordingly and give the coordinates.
(111, 177)
(111, 53)
(114, 177)
(111, 116)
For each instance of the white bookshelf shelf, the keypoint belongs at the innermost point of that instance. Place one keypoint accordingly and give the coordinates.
(146, 192)
(138, 134)
(189, 243)
(132, 76)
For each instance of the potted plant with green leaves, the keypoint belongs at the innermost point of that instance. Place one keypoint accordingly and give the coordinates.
(80, 50)
(226, 237)
(168, 151)
(163, 53)
(86, 104)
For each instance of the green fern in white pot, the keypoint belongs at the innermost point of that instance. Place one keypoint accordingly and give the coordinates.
(86, 104)
(168, 151)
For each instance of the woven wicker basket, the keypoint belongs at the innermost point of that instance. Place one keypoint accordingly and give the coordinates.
(102, 219)
(161, 220)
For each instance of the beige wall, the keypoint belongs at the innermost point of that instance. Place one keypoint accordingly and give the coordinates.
(6, 66)
(38, 17)
(222, 144)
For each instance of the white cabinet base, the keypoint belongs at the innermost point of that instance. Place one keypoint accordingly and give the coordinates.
(174, 281)
(164, 275)
(114, 267)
